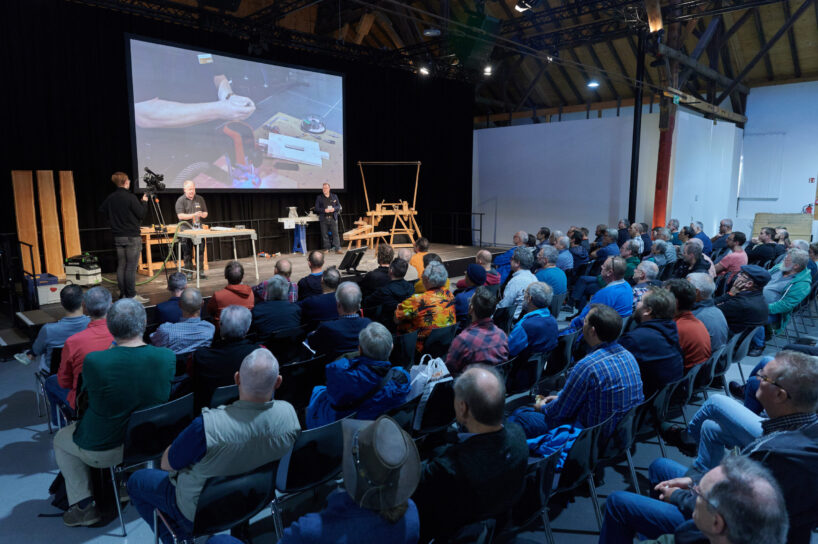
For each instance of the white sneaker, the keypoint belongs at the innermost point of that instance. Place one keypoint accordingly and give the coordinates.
(22, 358)
(141, 300)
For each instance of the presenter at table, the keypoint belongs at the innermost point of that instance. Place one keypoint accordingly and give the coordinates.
(328, 208)
(190, 207)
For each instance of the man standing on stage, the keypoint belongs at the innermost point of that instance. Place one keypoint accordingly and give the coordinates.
(125, 212)
(190, 207)
(328, 208)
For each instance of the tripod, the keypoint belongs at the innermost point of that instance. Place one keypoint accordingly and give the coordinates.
(162, 230)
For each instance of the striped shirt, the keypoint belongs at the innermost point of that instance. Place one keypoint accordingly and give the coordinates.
(605, 382)
(185, 336)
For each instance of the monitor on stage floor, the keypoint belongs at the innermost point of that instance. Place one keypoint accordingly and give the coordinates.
(229, 123)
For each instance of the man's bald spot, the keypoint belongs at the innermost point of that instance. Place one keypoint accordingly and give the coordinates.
(188, 183)
(284, 267)
(258, 374)
(483, 257)
(405, 253)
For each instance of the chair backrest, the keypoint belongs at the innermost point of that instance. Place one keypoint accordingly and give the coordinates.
(503, 317)
(403, 350)
(706, 373)
(556, 305)
(153, 429)
(672, 396)
(723, 362)
(438, 412)
(524, 372)
(54, 363)
(581, 458)
(562, 356)
(285, 344)
(743, 346)
(224, 395)
(629, 324)
(404, 415)
(315, 458)
(667, 271)
(299, 378)
(438, 342)
(622, 436)
(228, 501)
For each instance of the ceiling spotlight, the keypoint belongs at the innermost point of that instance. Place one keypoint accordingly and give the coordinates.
(593, 84)
(424, 71)
(525, 5)
(550, 59)
(431, 32)
(487, 70)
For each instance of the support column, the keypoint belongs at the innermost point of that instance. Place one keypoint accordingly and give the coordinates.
(637, 126)
(667, 123)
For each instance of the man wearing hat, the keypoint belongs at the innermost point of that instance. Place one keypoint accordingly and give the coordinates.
(475, 277)
(480, 475)
(482, 341)
(744, 306)
(381, 470)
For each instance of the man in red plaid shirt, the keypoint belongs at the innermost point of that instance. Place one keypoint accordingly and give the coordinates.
(480, 342)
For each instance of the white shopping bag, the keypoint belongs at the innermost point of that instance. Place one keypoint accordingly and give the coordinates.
(429, 370)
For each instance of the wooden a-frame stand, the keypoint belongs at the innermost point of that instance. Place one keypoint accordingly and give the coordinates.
(403, 215)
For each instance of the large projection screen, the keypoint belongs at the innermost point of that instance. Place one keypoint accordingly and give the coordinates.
(229, 123)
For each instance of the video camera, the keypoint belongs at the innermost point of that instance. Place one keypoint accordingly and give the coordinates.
(153, 181)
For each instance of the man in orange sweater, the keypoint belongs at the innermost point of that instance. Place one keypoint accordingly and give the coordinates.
(421, 249)
(234, 293)
(693, 336)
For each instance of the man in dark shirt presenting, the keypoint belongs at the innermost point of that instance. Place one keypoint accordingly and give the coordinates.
(328, 208)
(190, 207)
(125, 212)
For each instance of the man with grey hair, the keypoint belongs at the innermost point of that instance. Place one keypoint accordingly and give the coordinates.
(645, 276)
(658, 252)
(322, 307)
(661, 233)
(129, 376)
(340, 335)
(705, 309)
(803, 245)
(565, 261)
(483, 258)
(169, 311)
(432, 309)
(698, 230)
(503, 262)
(364, 382)
(790, 282)
(190, 333)
(635, 231)
(692, 260)
(521, 277)
(276, 312)
(61, 387)
(283, 268)
(224, 441)
(536, 331)
(673, 230)
(548, 271)
(609, 248)
(214, 366)
(719, 241)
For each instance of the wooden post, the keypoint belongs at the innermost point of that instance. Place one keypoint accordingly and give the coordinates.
(50, 224)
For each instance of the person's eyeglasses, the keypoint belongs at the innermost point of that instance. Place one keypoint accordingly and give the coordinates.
(764, 378)
(697, 492)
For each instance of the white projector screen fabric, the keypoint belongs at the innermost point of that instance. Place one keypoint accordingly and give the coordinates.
(234, 124)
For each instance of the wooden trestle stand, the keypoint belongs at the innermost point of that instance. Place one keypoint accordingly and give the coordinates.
(403, 215)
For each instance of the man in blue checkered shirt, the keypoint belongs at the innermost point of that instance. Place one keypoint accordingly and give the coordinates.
(190, 333)
(604, 383)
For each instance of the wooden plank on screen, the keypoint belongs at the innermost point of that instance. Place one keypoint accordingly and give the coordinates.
(50, 224)
(70, 222)
(23, 184)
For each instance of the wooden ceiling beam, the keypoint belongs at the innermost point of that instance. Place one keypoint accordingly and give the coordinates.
(701, 45)
(619, 63)
(791, 37)
(585, 75)
(363, 28)
(603, 73)
(761, 40)
(574, 108)
(556, 89)
(534, 81)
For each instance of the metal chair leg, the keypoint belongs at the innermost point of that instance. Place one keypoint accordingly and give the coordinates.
(37, 396)
(549, 535)
(741, 372)
(662, 443)
(116, 498)
(634, 480)
(595, 500)
(278, 523)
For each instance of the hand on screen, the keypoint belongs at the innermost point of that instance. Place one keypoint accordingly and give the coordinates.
(237, 108)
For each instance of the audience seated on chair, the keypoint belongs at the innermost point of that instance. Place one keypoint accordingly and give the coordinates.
(629, 252)
(339, 336)
(693, 336)
(482, 341)
(737, 502)
(283, 268)
(214, 366)
(310, 285)
(578, 248)
(428, 258)
(548, 271)
(322, 307)
(169, 311)
(635, 235)
(705, 310)
(375, 279)
(503, 262)
(617, 293)
(790, 282)
(536, 331)
(655, 340)
(744, 306)
(190, 332)
(235, 293)
(692, 260)
(223, 441)
(381, 470)
(420, 247)
(116, 382)
(479, 475)
(644, 277)
(475, 277)
(364, 383)
(520, 278)
(605, 382)
(719, 241)
(663, 234)
(565, 260)
(394, 292)
(730, 264)
(429, 310)
(53, 335)
(764, 249)
(483, 258)
(61, 388)
(276, 312)
(804, 246)
(698, 232)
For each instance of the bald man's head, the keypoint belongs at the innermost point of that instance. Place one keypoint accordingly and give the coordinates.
(483, 391)
(258, 376)
(284, 268)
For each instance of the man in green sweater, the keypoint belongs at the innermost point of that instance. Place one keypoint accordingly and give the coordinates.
(116, 382)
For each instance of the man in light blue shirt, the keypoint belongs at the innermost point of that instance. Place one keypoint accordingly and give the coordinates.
(190, 333)
(565, 261)
(617, 294)
(548, 271)
(521, 277)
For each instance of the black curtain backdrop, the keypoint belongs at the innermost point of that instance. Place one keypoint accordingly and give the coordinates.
(66, 100)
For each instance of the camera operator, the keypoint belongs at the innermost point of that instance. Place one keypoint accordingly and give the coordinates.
(190, 207)
(125, 212)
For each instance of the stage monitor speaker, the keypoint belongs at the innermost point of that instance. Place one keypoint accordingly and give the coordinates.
(352, 259)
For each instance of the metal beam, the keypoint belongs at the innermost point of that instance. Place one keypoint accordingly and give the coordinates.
(636, 56)
(791, 36)
(787, 25)
(700, 68)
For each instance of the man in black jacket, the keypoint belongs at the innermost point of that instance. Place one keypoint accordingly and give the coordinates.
(744, 305)
(310, 285)
(276, 312)
(765, 249)
(654, 342)
(328, 208)
(380, 276)
(391, 294)
(125, 212)
(692, 260)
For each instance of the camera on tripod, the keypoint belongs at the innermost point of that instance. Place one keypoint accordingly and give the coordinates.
(153, 181)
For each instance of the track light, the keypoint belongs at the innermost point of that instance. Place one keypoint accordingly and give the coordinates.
(431, 32)
(487, 70)
(593, 84)
(424, 71)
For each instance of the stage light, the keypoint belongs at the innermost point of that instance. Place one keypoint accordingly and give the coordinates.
(550, 59)
(593, 84)
(424, 71)
(431, 32)
(487, 70)
(525, 5)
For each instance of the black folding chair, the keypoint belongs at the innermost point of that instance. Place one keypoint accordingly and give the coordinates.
(404, 347)
(503, 317)
(556, 305)
(532, 505)
(742, 348)
(438, 342)
(404, 415)
(724, 361)
(707, 373)
(438, 412)
(224, 396)
(298, 379)
(39, 387)
(286, 343)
